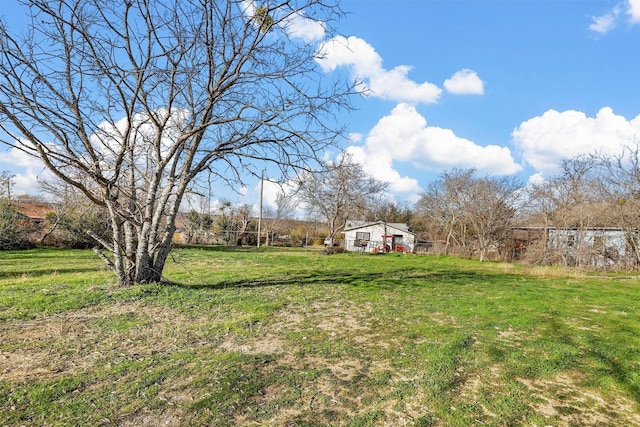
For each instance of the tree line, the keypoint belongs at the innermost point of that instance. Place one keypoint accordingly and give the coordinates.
(461, 212)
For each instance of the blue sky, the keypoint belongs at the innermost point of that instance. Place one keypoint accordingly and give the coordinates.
(538, 81)
(508, 87)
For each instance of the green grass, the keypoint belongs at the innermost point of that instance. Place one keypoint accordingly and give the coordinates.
(282, 337)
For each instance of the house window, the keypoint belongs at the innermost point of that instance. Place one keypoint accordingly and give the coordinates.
(397, 239)
(361, 235)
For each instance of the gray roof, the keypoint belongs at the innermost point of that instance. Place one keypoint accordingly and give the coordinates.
(353, 224)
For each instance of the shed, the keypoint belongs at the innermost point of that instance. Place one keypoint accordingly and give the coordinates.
(596, 246)
(378, 236)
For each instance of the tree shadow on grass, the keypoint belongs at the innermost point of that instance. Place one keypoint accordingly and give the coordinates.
(380, 280)
(241, 249)
(608, 355)
(616, 367)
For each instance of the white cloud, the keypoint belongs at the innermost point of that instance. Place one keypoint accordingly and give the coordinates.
(546, 139)
(380, 166)
(634, 11)
(270, 192)
(404, 136)
(108, 140)
(355, 137)
(29, 181)
(28, 171)
(365, 65)
(304, 28)
(15, 157)
(249, 7)
(536, 178)
(605, 23)
(271, 189)
(464, 82)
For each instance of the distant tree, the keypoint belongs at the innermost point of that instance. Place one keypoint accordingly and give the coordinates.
(6, 183)
(192, 225)
(223, 226)
(72, 214)
(241, 221)
(197, 226)
(130, 101)
(445, 203)
(285, 205)
(338, 192)
(15, 229)
(571, 200)
(620, 179)
(491, 213)
(471, 210)
(384, 209)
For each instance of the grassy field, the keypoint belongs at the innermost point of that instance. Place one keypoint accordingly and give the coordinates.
(296, 338)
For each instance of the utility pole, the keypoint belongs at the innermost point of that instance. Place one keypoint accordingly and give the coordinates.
(260, 216)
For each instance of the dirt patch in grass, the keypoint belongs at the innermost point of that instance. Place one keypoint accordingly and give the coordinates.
(444, 319)
(170, 417)
(265, 344)
(69, 343)
(329, 389)
(561, 397)
(341, 317)
(513, 338)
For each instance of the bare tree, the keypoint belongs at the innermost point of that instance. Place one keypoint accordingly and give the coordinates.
(471, 211)
(339, 191)
(284, 209)
(241, 220)
(445, 203)
(387, 210)
(621, 186)
(570, 202)
(129, 101)
(491, 211)
(72, 214)
(6, 182)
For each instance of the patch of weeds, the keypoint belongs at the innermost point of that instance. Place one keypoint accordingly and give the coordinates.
(371, 418)
(509, 404)
(234, 387)
(425, 421)
(402, 390)
(381, 378)
(118, 322)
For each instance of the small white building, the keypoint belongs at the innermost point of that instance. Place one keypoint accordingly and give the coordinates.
(378, 236)
(597, 246)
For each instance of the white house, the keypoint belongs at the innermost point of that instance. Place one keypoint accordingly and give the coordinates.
(378, 236)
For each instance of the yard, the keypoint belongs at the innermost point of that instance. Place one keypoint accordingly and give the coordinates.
(288, 337)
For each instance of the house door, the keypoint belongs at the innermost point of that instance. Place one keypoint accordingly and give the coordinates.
(396, 240)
